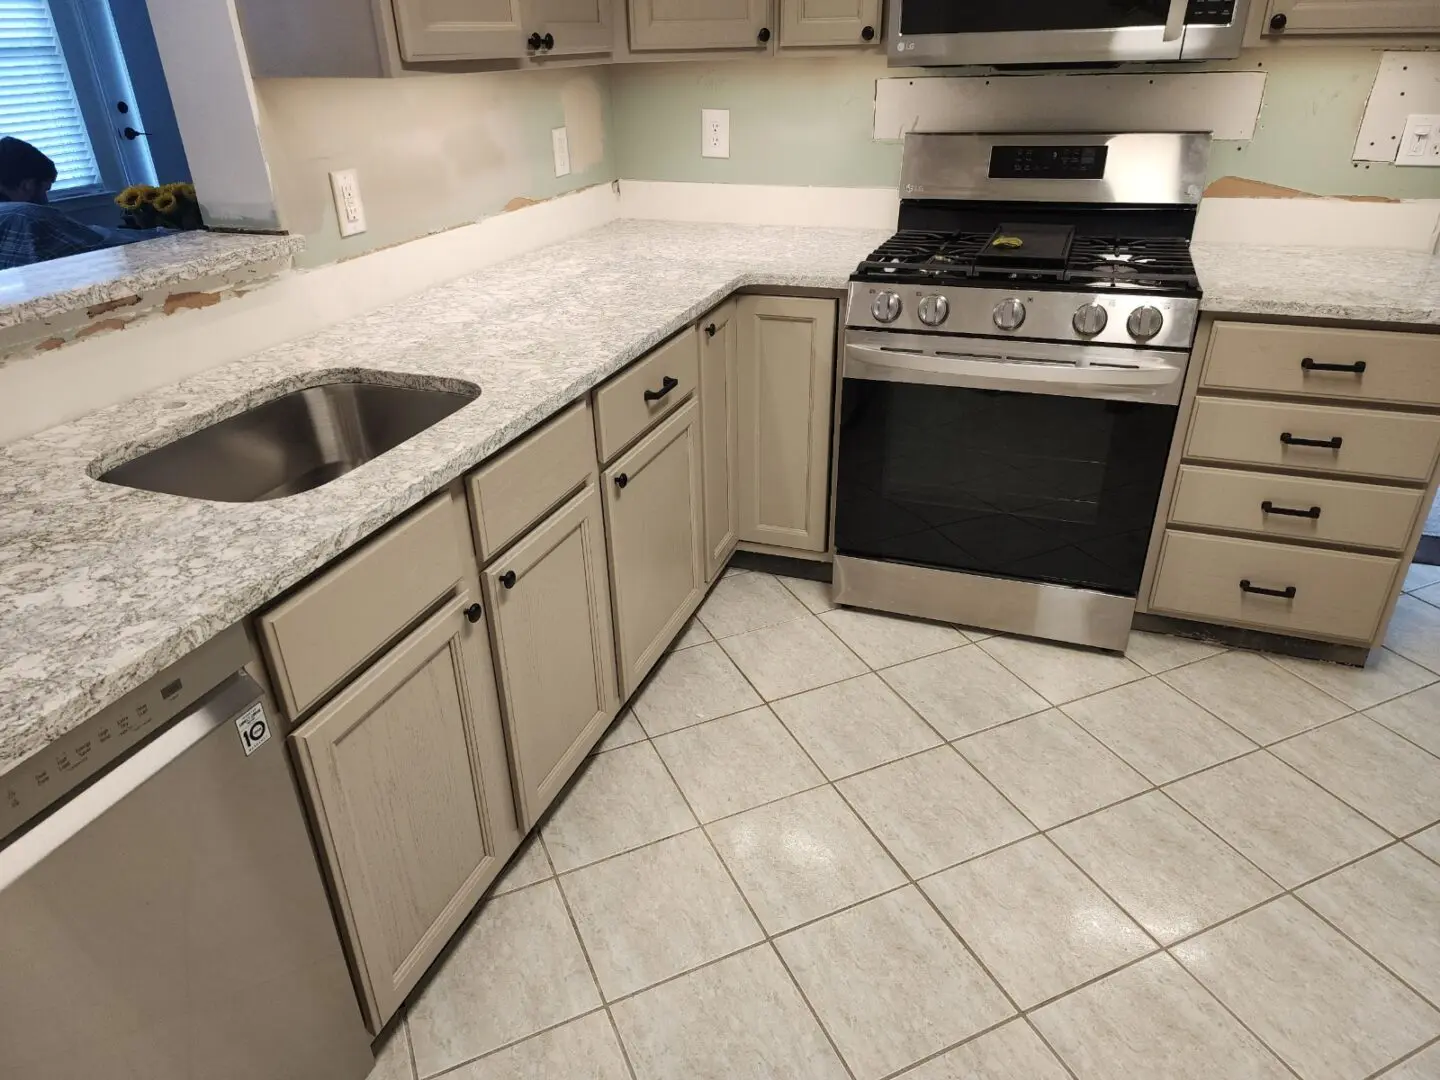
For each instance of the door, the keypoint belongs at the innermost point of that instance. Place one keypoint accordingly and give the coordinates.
(575, 26)
(700, 24)
(459, 29)
(405, 773)
(785, 372)
(555, 656)
(720, 434)
(829, 22)
(657, 565)
(1285, 17)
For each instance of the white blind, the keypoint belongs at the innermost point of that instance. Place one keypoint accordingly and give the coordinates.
(37, 98)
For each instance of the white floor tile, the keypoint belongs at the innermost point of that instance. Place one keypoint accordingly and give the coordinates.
(1012, 1052)
(1420, 575)
(392, 1055)
(1161, 652)
(815, 595)
(527, 866)
(886, 640)
(1386, 676)
(624, 731)
(1257, 698)
(1062, 673)
(792, 658)
(1416, 716)
(853, 725)
(748, 602)
(693, 634)
(584, 1048)
(1427, 842)
(1423, 1066)
(1415, 632)
(963, 691)
(689, 687)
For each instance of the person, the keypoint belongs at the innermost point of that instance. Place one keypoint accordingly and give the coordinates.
(33, 231)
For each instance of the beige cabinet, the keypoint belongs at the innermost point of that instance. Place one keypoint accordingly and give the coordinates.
(549, 604)
(719, 434)
(700, 24)
(1289, 17)
(653, 508)
(785, 374)
(405, 774)
(829, 22)
(459, 29)
(569, 26)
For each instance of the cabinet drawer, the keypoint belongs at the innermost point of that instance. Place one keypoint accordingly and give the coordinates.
(1403, 368)
(1360, 514)
(322, 633)
(1400, 445)
(622, 411)
(522, 485)
(1337, 595)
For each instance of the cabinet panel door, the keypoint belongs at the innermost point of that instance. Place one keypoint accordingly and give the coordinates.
(405, 775)
(657, 565)
(459, 29)
(698, 24)
(720, 433)
(786, 374)
(1353, 16)
(578, 26)
(554, 653)
(829, 22)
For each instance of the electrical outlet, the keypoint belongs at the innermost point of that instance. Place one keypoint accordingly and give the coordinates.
(1420, 144)
(715, 133)
(560, 143)
(349, 210)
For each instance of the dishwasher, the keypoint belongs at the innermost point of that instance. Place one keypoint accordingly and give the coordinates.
(162, 916)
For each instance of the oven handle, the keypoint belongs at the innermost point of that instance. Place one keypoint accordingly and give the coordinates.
(1175, 20)
(1158, 384)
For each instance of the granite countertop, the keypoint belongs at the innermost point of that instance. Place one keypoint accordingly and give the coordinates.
(48, 289)
(101, 586)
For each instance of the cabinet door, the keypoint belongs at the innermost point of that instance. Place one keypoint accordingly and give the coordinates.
(555, 657)
(406, 780)
(578, 26)
(657, 565)
(699, 24)
(829, 22)
(786, 374)
(720, 433)
(1352, 16)
(459, 29)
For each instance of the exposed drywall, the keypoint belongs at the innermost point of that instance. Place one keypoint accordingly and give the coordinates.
(810, 122)
(432, 153)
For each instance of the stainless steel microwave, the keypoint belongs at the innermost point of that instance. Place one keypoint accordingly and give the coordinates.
(955, 32)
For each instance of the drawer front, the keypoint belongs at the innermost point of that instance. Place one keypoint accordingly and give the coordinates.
(1364, 365)
(622, 411)
(522, 485)
(324, 632)
(1296, 506)
(1337, 595)
(1399, 445)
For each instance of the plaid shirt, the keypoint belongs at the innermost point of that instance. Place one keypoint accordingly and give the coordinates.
(31, 233)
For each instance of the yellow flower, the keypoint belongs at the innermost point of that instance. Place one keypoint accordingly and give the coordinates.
(166, 202)
(148, 194)
(131, 197)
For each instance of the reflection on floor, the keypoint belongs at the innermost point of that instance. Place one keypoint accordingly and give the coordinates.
(827, 843)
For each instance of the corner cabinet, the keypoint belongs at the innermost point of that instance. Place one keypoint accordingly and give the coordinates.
(829, 22)
(1284, 18)
(785, 377)
(459, 29)
(699, 24)
(720, 434)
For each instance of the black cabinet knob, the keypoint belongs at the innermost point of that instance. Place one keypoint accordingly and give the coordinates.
(548, 41)
(710, 330)
(535, 41)
(1277, 22)
(621, 480)
(868, 33)
(508, 579)
(473, 612)
(764, 34)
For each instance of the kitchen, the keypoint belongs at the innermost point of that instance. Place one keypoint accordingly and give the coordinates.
(544, 743)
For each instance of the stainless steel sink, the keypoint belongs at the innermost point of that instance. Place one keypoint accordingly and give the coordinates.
(289, 444)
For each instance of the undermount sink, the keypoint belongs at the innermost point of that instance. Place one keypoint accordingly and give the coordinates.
(289, 444)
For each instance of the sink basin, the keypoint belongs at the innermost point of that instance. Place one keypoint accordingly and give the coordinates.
(289, 444)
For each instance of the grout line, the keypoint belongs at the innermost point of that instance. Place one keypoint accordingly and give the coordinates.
(1401, 979)
(795, 982)
(1384, 1069)
(452, 1069)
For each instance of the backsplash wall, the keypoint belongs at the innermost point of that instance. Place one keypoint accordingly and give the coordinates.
(809, 122)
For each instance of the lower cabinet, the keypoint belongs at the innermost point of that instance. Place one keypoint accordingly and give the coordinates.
(653, 506)
(720, 435)
(549, 606)
(406, 779)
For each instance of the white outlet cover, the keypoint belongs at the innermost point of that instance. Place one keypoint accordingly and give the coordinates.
(560, 143)
(715, 133)
(349, 208)
(1420, 141)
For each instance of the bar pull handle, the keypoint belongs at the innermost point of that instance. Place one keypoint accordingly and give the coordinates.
(1309, 364)
(1332, 443)
(1287, 593)
(1268, 507)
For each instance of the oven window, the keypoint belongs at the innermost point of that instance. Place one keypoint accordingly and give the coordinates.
(1028, 486)
(971, 17)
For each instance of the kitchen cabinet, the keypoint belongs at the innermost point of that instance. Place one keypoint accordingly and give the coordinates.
(785, 375)
(700, 24)
(654, 514)
(460, 29)
(549, 602)
(575, 26)
(1285, 18)
(405, 775)
(829, 22)
(720, 435)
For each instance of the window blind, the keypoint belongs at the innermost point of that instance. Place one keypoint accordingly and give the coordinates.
(37, 96)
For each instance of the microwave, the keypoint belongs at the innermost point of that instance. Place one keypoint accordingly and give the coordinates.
(939, 33)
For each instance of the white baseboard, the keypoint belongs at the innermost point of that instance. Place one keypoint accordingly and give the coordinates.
(760, 204)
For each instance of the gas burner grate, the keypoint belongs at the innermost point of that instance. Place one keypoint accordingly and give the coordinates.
(1144, 262)
(919, 255)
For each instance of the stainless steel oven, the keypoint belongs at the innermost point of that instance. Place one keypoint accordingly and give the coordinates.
(944, 32)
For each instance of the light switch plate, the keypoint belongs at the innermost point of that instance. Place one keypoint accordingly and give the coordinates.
(349, 209)
(1420, 143)
(560, 143)
(715, 133)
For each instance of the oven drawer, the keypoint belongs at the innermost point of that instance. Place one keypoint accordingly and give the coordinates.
(1370, 443)
(1374, 365)
(1336, 594)
(1333, 511)
(623, 412)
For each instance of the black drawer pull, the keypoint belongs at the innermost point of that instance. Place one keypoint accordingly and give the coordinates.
(621, 480)
(666, 385)
(508, 579)
(473, 612)
(1268, 507)
(1357, 368)
(1287, 593)
(1294, 440)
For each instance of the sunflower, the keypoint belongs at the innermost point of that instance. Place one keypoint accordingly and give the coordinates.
(131, 197)
(166, 203)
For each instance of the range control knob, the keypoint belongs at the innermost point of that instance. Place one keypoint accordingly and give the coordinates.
(1144, 322)
(934, 309)
(1090, 319)
(1008, 314)
(886, 307)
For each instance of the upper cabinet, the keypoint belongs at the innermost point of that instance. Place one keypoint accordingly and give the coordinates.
(1292, 17)
(829, 22)
(566, 27)
(700, 24)
(459, 29)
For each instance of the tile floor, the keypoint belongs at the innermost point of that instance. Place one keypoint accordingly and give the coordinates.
(832, 844)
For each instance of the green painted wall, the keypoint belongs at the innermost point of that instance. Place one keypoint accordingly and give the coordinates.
(808, 122)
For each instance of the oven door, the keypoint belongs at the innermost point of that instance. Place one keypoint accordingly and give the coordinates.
(1038, 469)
